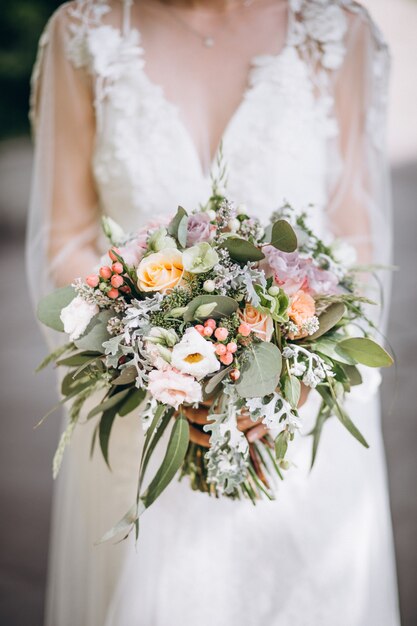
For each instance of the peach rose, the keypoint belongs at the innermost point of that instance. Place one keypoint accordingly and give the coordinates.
(301, 308)
(259, 323)
(160, 271)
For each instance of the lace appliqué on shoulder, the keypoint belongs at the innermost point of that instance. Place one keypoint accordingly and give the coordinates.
(84, 14)
(319, 28)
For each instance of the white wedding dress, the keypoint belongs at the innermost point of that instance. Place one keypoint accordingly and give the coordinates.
(309, 130)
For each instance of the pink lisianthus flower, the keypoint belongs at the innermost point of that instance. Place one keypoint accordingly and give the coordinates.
(173, 388)
(292, 272)
(287, 268)
(320, 281)
(133, 251)
(199, 229)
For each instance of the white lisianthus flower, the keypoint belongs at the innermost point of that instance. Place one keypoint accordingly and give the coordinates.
(77, 316)
(195, 355)
(200, 258)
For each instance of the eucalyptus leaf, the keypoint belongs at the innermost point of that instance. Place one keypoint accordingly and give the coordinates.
(366, 351)
(112, 401)
(281, 445)
(50, 307)
(176, 226)
(225, 306)
(292, 390)
(174, 457)
(322, 416)
(353, 374)
(133, 400)
(153, 442)
(182, 231)
(330, 348)
(341, 414)
(241, 250)
(125, 525)
(76, 360)
(260, 372)
(328, 319)
(215, 380)
(104, 430)
(95, 334)
(127, 376)
(283, 236)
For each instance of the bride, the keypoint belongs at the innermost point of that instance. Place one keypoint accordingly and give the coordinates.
(130, 104)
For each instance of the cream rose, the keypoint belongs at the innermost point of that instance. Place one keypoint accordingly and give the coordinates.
(160, 271)
(260, 323)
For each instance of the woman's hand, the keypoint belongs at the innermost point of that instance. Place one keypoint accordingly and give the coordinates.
(254, 430)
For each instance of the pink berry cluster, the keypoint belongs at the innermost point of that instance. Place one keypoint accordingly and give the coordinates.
(225, 350)
(109, 279)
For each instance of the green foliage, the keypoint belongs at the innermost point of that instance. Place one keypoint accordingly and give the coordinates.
(178, 226)
(283, 236)
(96, 333)
(292, 390)
(50, 307)
(224, 306)
(260, 372)
(329, 318)
(366, 351)
(241, 250)
(174, 456)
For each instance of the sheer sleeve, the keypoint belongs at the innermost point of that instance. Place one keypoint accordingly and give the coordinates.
(63, 216)
(360, 200)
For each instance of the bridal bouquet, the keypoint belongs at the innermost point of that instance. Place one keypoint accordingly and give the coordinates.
(212, 306)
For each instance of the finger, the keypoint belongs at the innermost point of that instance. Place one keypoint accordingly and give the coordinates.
(196, 436)
(198, 416)
(256, 433)
(245, 424)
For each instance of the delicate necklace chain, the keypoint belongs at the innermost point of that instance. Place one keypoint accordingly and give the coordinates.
(208, 40)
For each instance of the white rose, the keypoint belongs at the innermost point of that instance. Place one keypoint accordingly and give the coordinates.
(325, 23)
(77, 316)
(343, 253)
(195, 355)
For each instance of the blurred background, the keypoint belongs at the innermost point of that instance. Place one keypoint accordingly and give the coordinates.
(25, 454)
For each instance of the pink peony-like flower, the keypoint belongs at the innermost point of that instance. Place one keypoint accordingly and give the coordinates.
(320, 281)
(173, 388)
(199, 229)
(287, 268)
(292, 273)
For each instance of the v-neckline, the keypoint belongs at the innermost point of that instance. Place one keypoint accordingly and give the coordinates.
(247, 91)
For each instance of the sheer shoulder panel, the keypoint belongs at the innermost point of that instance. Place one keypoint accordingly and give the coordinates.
(64, 217)
(360, 195)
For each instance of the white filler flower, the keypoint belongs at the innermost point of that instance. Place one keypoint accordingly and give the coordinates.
(195, 355)
(77, 316)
